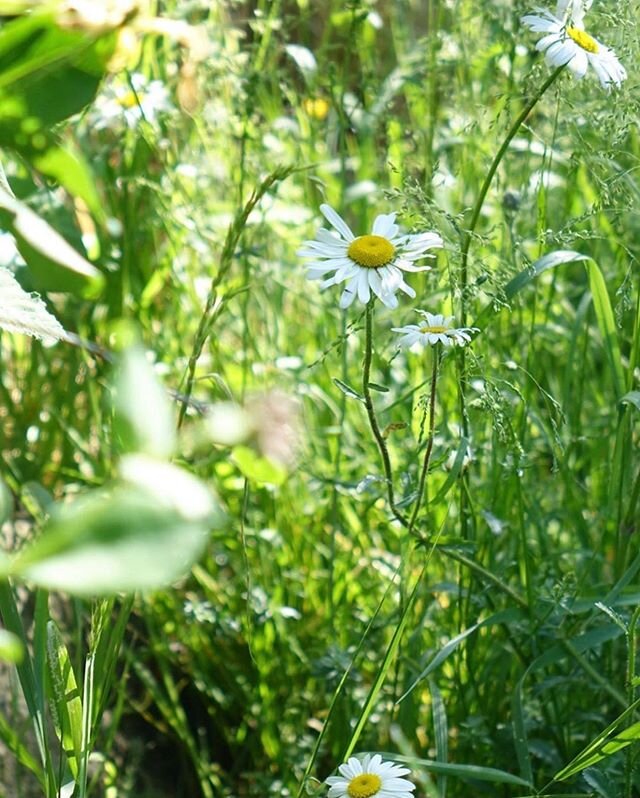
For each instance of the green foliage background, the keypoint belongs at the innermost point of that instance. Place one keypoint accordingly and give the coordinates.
(225, 681)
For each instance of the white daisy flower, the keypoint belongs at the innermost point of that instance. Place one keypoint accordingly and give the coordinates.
(370, 263)
(567, 43)
(368, 778)
(573, 9)
(435, 329)
(125, 105)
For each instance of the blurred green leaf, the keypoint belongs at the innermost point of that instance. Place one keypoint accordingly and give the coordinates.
(6, 502)
(144, 416)
(54, 264)
(257, 468)
(11, 649)
(141, 534)
(47, 74)
(631, 398)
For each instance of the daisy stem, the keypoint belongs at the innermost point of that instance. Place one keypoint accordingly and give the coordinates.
(477, 208)
(427, 454)
(371, 413)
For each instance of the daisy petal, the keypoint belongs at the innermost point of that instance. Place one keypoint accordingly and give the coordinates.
(384, 225)
(337, 221)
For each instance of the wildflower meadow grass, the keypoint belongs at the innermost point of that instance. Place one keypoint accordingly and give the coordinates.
(319, 364)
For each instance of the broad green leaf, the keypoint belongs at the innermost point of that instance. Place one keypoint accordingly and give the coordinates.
(54, 264)
(142, 533)
(257, 468)
(144, 418)
(65, 698)
(11, 649)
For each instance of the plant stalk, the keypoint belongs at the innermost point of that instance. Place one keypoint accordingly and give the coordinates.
(371, 413)
(427, 454)
(477, 208)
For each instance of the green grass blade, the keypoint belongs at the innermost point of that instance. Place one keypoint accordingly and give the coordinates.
(604, 745)
(11, 619)
(339, 689)
(452, 645)
(631, 398)
(473, 772)
(454, 473)
(384, 668)
(440, 733)
(65, 697)
(607, 325)
(16, 745)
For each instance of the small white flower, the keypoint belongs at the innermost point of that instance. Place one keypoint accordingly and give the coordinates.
(369, 263)
(567, 43)
(368, 778)
(125, 105)
(435, 329)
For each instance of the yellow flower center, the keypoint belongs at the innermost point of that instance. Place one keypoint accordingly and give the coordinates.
(129, 100)
(434, 329)
(582, 39)
(317, 108)
(365, 785)
(371, 251)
